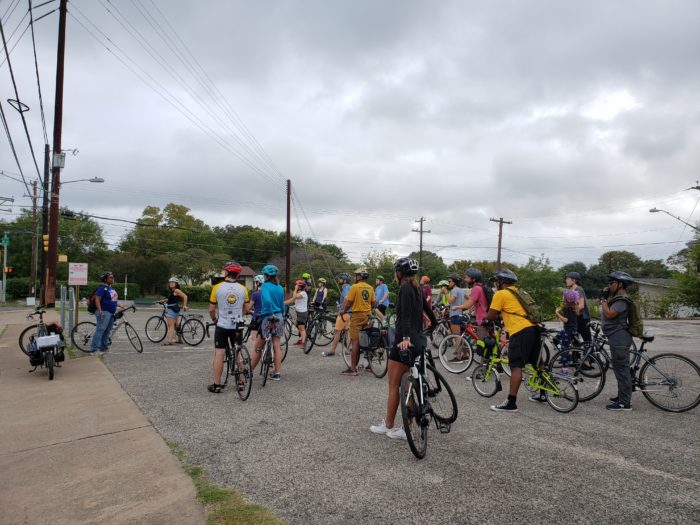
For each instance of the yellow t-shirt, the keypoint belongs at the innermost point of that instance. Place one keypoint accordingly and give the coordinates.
(361, 297)
(511, 310)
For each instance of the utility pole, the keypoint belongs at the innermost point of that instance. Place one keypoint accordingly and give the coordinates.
(50, 293)
(44, 222)
(500, 222)
(32, 264)
(420, 231)
(288, 247)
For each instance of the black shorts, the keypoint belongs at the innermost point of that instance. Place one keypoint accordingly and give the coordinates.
(255, 324)
(382, 308)
(584, 329)
(226, 337)
(524, 347)
(302, 317)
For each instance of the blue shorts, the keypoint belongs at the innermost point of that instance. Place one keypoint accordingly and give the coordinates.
(279, 328)
(170, 313)
(456, 320)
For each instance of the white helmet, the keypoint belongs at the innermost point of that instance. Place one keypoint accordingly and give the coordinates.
(174, 280)
(259, 279)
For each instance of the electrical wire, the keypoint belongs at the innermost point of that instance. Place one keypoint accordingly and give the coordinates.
(36, 69)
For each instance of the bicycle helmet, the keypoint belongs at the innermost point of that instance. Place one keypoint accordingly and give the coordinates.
(301, 283)
(506, 275)
(425, 279)
(344, 276)
(232, 267)
(454, 278)
(575, 276)
(443, 283)
(259, 279)
(474, 274)
(174, 280)
(269, 270)
(362, 272)
(406, 266)
(105, 276)
(380, 277)
(622, 277)
(306, 275)
(322, 280)
(570, 296)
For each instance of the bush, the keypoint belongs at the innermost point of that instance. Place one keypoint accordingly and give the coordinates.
(18, 287)
(197, 294)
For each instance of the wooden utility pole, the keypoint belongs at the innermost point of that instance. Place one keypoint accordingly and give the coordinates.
(420, 231)
(44, 221)
(50, 298)
(35, 238)
(288, 248)
(500, 222)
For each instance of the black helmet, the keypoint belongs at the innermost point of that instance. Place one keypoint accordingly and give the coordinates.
(474, 274)
(105, 276)
(575, 276)
(506, 275)
(622, 277)
(406, 266)
(455, 278)
(344, 276)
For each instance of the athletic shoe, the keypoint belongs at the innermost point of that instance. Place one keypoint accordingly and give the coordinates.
(614, 399)
(328, 354)
(396, 433)
(276, 376)
(506, 406)
(619, 406)
(537, 398)
(379, 428)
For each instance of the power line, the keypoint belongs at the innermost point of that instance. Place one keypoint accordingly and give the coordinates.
(36, 69)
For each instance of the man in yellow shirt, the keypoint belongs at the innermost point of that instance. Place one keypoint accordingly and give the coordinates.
(524, 336)
(361, 301)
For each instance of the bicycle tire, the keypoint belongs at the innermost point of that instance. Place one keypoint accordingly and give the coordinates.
(309, 343)
(266, 362)
(485, 384)
(547, 348)
(566, 399)
(571, 362)
(226, 370)
(81, 336)
(49, 361)
(379, 361)
(413, 415)
(25, 337)
(133, 336)
(192, 332)
(324, 332)
(448, 357)
(442, 400)
(156, 329)
(438, 335)
(684, 376)
(244, 373)
(284, 347)
(346, 350)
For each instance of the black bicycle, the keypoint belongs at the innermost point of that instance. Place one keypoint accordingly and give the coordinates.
(319, 329)
(39, 329)
(46, 351)
(374, 348)
(236, 364)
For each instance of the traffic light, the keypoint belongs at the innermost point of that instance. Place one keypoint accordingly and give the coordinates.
(8, 269)
(46, 242)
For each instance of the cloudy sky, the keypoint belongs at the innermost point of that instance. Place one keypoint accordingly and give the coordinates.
(569, 119)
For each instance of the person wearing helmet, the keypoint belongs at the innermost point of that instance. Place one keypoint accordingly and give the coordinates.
(524, 342)
(172, 309)
(614, 321)
(299, 299)
(455, 299)
(409, 341)
(426, 289)
(444, 292)
(342, 321)
(256, 301)
(572, 280)
(361, 300)
(321, 294)
(106, 299)
(381, 293)
(477, 300)
(272, 301)
(228, 303)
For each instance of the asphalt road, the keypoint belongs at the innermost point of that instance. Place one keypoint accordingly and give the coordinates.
(302, 446)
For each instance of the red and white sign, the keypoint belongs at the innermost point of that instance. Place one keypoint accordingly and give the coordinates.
(77, 274)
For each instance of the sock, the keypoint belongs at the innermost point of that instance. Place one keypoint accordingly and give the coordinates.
(511, 399)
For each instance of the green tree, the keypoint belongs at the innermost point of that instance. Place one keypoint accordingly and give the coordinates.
(487, 268)
(688, 287)
(621, 261)
(543, 282)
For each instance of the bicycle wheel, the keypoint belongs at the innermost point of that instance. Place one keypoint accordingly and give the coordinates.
(266, 361)
(81, 336)
(413, 413)
(585, 370)
(284, 346)
(346, 350)
(565, 399)
(156, 329)
(26, 335)
(438, 335)
(379, 361)
(287, 329)
(242, 372)
(547, 348)
(133, 336)
(671, 382)
(484, 382)
(192, 331)
(226, 371)
(442, 399)
(455, 353)
(324, 332)
(48, 360)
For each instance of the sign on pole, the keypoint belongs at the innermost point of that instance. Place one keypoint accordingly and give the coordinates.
(77, 274)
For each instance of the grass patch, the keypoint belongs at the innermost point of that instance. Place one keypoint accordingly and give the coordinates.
(223, 506)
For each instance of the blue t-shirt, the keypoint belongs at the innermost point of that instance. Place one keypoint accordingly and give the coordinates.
(108, 298)
(272, 296)
(256, 297)
(380, 291)
(343, 294)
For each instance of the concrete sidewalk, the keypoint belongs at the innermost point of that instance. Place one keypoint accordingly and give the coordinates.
(78, 450)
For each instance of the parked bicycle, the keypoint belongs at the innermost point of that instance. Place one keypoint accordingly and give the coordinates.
(82, 333)
(236, 364)
(319, 329)
(46, 351)
(374, 348)
(268, 351)
(39, 329)
(188, 326)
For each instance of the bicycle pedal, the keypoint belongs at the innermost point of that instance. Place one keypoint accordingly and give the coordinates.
(443, 426)
(498, 386)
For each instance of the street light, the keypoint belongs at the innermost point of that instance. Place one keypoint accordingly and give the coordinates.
(656, 210)
(94, 179)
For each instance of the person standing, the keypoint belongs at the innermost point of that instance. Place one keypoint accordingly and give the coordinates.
(410, 307)
(524, 342)
(572, 280)
(106, 303)
(172, 309)
(381, 294)
(455, 298)
(342, 321)
(256, 301)
(321, 295)
(360, 299)
(300, 301)
(272, 296)
(614, 322)
(228, 303)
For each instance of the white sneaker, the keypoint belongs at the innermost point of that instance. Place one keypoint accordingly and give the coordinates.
(396, 433)
(379, 428)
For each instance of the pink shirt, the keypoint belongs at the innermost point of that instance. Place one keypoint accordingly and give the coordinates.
(480, 309)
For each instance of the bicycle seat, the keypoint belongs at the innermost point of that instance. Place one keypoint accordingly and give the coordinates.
(647, 338)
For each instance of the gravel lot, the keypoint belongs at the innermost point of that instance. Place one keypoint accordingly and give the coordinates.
(302, 446)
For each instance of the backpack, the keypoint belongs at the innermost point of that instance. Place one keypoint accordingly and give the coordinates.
(533, 313)
(488, 294)
(635, 325)
(92, 305)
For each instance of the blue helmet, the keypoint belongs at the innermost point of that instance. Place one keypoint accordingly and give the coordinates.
(270, 270)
